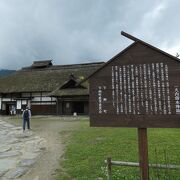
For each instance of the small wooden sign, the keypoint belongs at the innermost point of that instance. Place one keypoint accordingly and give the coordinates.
(139, 87)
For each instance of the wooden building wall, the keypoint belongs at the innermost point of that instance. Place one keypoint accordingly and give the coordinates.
(42, 105)
(70, 105)
(43, 109)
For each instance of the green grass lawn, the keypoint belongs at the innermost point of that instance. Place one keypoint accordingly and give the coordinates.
(88, 147)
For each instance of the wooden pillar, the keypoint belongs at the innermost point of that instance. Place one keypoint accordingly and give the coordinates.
(109, 168)
(57, 106)
(143, 153)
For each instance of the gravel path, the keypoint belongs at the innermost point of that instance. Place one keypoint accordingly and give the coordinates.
(48, 128)
(18, 151)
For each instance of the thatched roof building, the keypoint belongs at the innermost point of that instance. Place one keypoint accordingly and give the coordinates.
(47, 80)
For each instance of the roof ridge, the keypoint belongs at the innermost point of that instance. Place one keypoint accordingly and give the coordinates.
(68, 66)
(83, 64)
(129, 36)
(40, 61)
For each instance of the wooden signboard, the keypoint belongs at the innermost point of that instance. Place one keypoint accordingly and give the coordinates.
(139, 87)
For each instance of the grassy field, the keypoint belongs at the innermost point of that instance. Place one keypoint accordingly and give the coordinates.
(87, 148)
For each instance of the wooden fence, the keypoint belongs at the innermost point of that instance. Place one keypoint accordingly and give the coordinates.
(111, 163)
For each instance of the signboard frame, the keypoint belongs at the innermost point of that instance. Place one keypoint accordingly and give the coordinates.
(156, 71)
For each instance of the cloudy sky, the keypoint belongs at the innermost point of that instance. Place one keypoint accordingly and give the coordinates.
(81, 31)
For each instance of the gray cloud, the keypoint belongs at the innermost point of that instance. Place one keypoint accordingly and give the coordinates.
(77, 31)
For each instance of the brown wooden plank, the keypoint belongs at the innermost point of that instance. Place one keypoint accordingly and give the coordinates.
(43, 109)
(140, 81)
(143, 153)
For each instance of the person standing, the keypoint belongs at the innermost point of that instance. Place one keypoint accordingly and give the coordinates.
(26, 118)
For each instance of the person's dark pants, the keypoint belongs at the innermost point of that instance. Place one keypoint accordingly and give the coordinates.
(24, 123)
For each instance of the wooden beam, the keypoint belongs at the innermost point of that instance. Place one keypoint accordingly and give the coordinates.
(109, 164)
(135, 164)
(129, 36)
(143, 153)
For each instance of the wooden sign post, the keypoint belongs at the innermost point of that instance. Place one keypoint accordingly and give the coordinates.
(143, 153)
(138, 88)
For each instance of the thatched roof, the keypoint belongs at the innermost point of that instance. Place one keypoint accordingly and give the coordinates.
(40, 64)
(70, 92)
(45, 79)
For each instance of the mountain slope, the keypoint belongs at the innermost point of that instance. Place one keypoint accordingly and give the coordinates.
(6, 72)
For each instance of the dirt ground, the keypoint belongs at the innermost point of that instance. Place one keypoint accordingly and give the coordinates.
(48, 127)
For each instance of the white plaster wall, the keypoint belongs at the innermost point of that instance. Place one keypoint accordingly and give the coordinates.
(36, 99)
(46, 98)
(18, 104)
(3, 106)
(54, 99)
(6, 99)
(24, 102)
(29, 103)
(44, 103)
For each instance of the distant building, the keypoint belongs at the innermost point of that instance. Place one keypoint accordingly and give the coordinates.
(47, 89)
